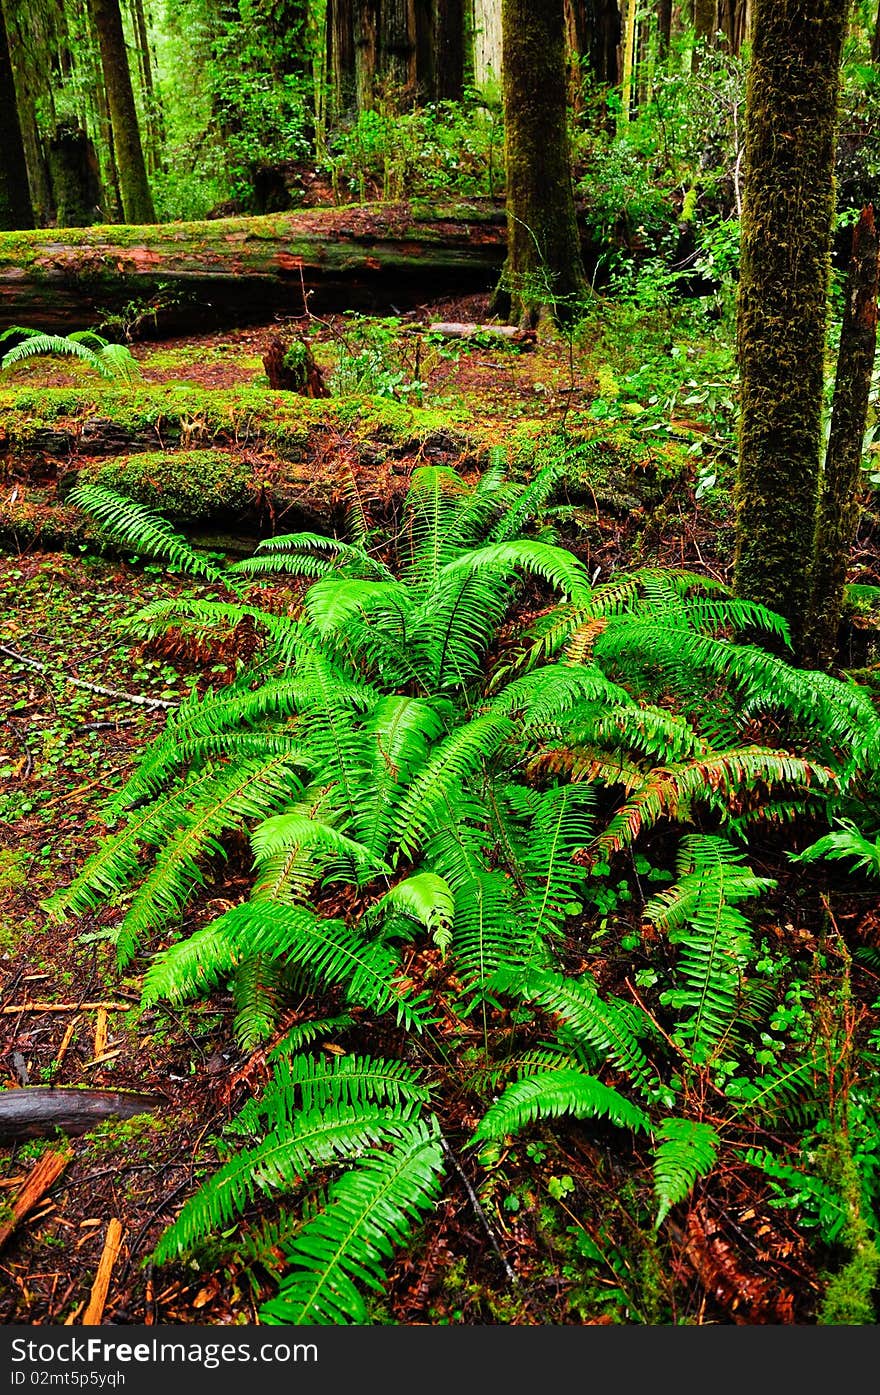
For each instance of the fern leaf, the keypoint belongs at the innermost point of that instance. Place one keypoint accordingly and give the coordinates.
(369, 1211)
(554, 1092)
(687, 1151)
(138, 528)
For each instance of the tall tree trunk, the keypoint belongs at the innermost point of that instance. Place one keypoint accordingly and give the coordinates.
(137, 201)
(544, 268)
(366, 39)
(788, 210)
(340, 61)
(30, 58)
(152, 110)
(705, 25)
(15, 196)
(448, 50)
(838, 512)
(875, 41)
(487, 57)
(76, 181)
(664, 28)
(397, 46)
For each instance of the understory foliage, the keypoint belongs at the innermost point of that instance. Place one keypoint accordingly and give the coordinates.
(426, 782)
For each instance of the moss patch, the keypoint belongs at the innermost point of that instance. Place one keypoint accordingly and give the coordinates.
(183, 484)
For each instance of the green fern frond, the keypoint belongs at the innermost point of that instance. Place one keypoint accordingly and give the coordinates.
(226, 800)
(554, 1092)
(306, 1033)
(686, 1152)
(369, 1211)
(108, 360)
(714, 940)
(848, 841)
(141, 530)
(426, 899)
(330, 951)
(276, 1164)
(309, 1083)
(605, 1026)
(257, 989)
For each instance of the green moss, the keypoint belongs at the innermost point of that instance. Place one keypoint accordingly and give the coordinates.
(183, 484)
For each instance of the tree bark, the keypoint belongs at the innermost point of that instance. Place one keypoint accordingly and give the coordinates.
(487, 42)
(340, 61)
(366, 41)
(76, 183)
(664, 28)
(448, 50)
(241, 270)
(544, 267)
(838, 512)
(788, 211)
(397, 48)
(30, 69)
(15, 197)
(875, 40)
(705, 25)
(137, 201)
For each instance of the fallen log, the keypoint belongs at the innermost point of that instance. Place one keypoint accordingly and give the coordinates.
(41, 1177)
(512, 334)
(40, 1111)
(380, 257)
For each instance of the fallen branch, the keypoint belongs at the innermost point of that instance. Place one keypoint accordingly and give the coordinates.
(39, 1111)
(65, 1007)
(512, 334)
(110, 1253)
(39, 1180)
(81, 682)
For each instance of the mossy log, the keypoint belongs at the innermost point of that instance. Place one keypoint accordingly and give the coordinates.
(380, 257)
(41, 1111)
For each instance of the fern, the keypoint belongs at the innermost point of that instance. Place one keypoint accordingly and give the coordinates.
(369, 1210)
(699, 913)
(105, 358)
(328, 950)
(141, 530)
(605, 1027)
(846, 842)
(686, 1152)
(554, 1092)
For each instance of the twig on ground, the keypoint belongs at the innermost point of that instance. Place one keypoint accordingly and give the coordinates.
(90, 687)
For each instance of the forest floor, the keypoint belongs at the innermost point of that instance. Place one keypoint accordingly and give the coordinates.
(67, 746)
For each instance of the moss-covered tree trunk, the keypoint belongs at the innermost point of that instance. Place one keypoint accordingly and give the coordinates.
(15, 198)
(76, 183)
(788, 208)
(544, 268)
(838, 512)
(137, 201)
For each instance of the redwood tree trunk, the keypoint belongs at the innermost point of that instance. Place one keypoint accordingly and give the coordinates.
(15, 198)
(544, 268)
(448, 50)
(838, 512)
(137, 201)
(788, 210)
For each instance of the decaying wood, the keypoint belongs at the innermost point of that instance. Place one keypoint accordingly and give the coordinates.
(39, 1180)
(302, 375)
(64, 1007)
(511, 333)
(110, 1253)
(243, 270)
(39, 1111)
